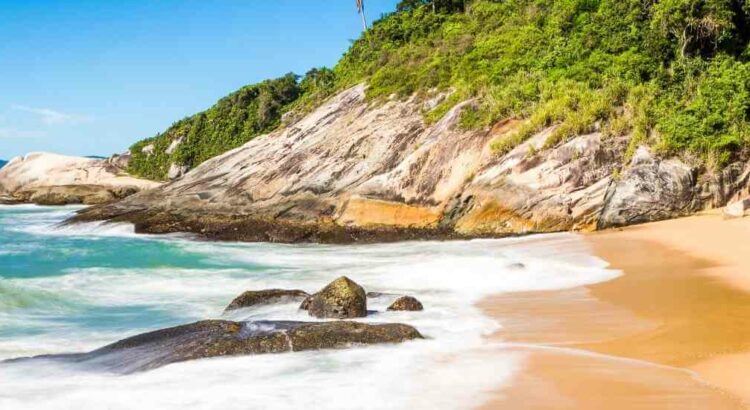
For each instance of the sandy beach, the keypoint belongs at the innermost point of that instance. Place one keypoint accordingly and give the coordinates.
(672, 332)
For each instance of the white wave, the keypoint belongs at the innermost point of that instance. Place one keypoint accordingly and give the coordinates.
(86, 229)
(201, 291)
(35, 207)
(448, 277)
(19, 248)
(366, 378)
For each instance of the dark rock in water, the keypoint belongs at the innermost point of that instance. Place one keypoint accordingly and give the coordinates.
(406, 303)
(305, 305)
(370, 295)
(213, 338)
(266, 297)
(341, 299)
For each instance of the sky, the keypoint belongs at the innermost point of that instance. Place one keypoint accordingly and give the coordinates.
(91, 77)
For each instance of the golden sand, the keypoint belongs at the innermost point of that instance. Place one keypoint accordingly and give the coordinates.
(672, 332)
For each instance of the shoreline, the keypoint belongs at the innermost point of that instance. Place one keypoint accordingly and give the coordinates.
(679, 315)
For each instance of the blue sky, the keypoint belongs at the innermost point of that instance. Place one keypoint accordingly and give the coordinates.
(92, 77)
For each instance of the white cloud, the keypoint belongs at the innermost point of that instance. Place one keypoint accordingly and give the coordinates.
(51, 117)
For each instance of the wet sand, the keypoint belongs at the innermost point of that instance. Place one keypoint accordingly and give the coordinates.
(673, 332)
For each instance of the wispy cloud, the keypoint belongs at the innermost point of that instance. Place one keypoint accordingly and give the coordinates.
(16, 133)
(52, 117)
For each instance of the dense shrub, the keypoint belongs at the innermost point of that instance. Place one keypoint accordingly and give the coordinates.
(672, 72)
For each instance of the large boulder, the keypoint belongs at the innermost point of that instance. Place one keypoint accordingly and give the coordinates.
(651, 189)
(406, 303)
(343, 298)
(212, 338)
(266, 297)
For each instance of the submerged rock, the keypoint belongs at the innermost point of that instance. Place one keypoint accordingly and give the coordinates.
(212, 338)
(265, 297)
(341, 299)
(406, 303)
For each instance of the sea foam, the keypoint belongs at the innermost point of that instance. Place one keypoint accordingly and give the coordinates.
(455, 363)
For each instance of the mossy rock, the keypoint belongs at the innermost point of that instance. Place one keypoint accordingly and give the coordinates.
(341, 299)
(406, 303)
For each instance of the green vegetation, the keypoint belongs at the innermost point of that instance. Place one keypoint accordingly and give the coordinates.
(674, 74)
(231, 122)
(670, 73)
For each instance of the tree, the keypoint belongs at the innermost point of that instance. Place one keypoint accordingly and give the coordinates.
(361, 10)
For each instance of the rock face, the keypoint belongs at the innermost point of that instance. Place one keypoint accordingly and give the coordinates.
(212, 338)
(406, 303)
(176, 171)
(532, 189)
(651, 189)
(341, 299)
(351, 171)
(266, 297)
(51, 179)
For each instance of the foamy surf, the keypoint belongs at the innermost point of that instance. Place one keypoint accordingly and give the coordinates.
(118, 285)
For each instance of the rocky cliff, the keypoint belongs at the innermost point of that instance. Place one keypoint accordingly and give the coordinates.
(51, 179)
(351, 171)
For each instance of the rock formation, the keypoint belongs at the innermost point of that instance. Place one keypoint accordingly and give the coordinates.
(340, 299)
(51, 179)
(406, 303)
(351, 171)
(212, 338)
(650, 189)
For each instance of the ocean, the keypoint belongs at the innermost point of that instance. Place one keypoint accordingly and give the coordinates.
(70, 289)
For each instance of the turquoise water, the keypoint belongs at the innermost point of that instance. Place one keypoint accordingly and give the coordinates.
(37, 259)
(75, 288)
